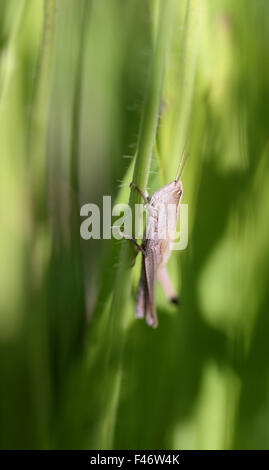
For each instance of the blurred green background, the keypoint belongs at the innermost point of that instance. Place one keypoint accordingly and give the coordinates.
(73, 76)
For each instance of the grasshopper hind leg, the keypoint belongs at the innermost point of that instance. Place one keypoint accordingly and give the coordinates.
(175, 300)
(168, 288)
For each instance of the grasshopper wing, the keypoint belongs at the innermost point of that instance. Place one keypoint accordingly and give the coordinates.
(150, 266)
(142, 295)
(145, 301)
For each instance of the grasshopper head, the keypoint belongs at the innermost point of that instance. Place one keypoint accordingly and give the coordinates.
(176, 192)
(171, 193)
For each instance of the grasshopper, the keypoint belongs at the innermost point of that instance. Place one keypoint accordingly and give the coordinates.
(156, 251)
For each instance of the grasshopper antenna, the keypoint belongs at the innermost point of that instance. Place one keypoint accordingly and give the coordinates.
(180, 171)
(183, 166)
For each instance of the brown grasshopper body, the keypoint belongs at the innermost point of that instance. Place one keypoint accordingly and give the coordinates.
(156, 251)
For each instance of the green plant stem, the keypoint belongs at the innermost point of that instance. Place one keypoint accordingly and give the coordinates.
(187, 71)
(40, 110)
(119, 308)
(75, 139)
(38, 350)
(10, 55)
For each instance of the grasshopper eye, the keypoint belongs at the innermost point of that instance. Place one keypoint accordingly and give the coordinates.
(177, 193)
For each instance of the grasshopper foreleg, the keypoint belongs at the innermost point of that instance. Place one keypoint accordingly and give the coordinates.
(138, 247)
(145, 197)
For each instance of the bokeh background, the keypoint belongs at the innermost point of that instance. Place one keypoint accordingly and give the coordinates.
(73, 77)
